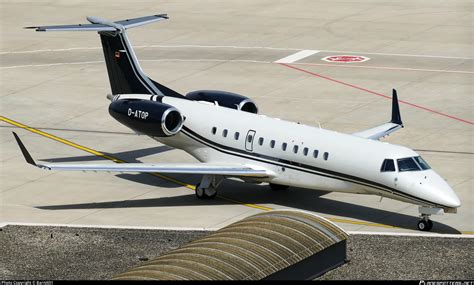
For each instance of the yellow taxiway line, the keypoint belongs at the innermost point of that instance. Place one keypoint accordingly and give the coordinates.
(189, 186)
(118, 160)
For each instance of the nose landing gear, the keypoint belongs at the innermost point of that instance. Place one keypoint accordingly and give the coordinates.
(207, 188)
(425, 224)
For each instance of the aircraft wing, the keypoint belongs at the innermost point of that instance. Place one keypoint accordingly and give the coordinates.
(383, 130)
(235, 170)
(379, 131)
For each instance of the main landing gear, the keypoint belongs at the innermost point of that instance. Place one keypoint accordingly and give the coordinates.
(207, 188)
(425, 224)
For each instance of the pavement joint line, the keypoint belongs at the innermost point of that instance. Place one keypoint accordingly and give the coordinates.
(467, 234)
(247, 61)
(4, 224)
(189, 186)
(242, 47)
(144, 60)
(383, 67)
(376, 93)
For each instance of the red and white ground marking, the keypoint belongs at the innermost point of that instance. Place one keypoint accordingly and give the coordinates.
(345, 58)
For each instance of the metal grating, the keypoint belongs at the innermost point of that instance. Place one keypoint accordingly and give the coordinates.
(251, 249)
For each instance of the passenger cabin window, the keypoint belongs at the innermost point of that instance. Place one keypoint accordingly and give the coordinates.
(326, 156)
(295, 149)
(388, 165)
(236, 135)
(305, 151)
(407, 164)
(272, 143)
(214, 130)
(315, 153)
(224, 133)
(260, 141)
(283, 146)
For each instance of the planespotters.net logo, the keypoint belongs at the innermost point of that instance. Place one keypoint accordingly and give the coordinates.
(422, 282)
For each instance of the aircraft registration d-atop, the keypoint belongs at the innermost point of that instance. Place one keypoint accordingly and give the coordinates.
(226, 134)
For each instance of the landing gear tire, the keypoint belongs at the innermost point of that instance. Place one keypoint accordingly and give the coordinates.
(212, 195)
(425, 225)
(278, 187)
(202, 193)
(430, 225)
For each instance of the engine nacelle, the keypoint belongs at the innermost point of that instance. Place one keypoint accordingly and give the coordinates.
(148, 117)
(224, 99)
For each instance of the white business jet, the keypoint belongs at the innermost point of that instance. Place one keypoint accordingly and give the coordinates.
(226, 134)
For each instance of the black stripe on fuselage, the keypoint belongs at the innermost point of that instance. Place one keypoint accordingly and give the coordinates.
(298, 166)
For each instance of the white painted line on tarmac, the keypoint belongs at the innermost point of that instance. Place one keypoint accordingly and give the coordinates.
(398, 54)
(107, 226)
(297, 56)
(386, 68)
(205, 60)
(144, 60)
(151, 46)
(245, 61)
(50, 64)
(242, 47)
(412, 234)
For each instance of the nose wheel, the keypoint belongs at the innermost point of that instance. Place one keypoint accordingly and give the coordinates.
(425, 224)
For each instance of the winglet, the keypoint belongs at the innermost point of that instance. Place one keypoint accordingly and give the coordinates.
(25, 152)
(396, 118)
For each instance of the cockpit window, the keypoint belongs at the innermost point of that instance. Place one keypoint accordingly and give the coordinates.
(407, 164)
(422, 163)
(388, 165)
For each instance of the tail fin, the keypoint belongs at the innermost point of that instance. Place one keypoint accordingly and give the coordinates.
(125, 73)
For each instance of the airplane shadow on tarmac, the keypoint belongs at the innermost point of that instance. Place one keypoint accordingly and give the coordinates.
(304, 199)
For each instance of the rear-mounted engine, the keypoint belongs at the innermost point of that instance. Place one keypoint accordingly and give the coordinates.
(224, 99)
(148, 117)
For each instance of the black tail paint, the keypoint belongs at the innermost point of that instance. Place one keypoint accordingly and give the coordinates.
(125, 74)
(396, 118)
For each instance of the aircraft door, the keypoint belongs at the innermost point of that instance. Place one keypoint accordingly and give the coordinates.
(389, 172)
(249, 140)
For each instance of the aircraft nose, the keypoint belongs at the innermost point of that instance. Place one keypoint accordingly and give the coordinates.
(445, 194)
(452, 200)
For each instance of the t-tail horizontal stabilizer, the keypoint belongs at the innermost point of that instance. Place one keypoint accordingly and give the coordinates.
(125, 74)
(101, 25)
(388, 128)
